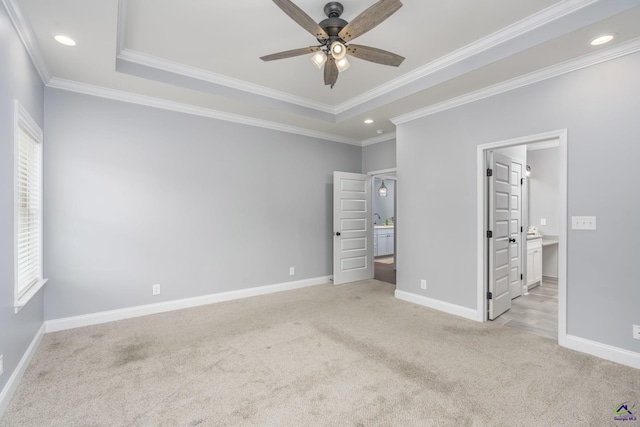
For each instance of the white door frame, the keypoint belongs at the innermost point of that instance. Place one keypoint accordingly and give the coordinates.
(482, 189)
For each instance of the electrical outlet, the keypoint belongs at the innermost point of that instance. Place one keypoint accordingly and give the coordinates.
(423, 284)
(292, 271)
(583, 222)
(156, 289)
(1, 365)
(636, 332)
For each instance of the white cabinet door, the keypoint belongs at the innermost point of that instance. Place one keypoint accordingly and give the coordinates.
(383, 243)
(537, 265)
(534, 262)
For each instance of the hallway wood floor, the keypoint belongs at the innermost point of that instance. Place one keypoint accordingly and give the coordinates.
(537, 312)
(384, 270)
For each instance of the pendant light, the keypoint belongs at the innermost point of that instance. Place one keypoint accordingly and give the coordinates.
(382, 191)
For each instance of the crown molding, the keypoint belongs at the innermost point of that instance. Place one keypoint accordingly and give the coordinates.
(614, 52)
(28, 38)
(148, 101)
(173, 67)
(512, 31)
(377, 139)
(121, 26)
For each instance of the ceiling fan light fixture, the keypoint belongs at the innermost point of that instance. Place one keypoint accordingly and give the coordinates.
(318, 59)
(342, 64)
(338, 50)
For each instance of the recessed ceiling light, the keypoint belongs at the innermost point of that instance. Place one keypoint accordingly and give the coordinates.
(65, 40)
(605, 38)
(368, 121)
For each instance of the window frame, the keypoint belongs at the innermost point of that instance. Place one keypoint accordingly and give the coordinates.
(23, 121)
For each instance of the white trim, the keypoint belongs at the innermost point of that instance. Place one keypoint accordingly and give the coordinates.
(617, 51)
(13, 382)
(604, 351)
(457, 310)
(121, 26)
(173, 67)
(482, 285)
(544, 145)
(148, 101)
(28, 38)
(162, 307)
(384, 171)
(377, 139)
(510, 32)
(22, 119)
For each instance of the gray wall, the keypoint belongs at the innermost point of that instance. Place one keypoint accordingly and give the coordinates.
(380, 156)
(137, 196)
(383, 206)
(18, 80)
(437, 168)
(544, 184)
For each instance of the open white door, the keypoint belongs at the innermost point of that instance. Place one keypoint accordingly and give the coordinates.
(352, 229)
(500, 236)
(515, 230)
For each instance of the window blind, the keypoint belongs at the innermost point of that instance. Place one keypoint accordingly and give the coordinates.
(29, 211)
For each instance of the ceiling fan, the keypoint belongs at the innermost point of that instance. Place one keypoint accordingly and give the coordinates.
(335, 33)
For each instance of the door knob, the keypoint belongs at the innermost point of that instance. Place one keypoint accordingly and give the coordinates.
(337, 233)
(512, 240)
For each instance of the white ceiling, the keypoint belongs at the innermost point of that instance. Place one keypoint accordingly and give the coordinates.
(202, 56)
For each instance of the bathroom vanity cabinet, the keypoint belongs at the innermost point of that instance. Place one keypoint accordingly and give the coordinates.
(534, 262)
(383, 240)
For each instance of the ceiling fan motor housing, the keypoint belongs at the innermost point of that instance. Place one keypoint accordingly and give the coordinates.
(333, 24)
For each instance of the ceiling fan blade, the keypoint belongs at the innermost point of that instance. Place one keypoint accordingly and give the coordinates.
(330, 72)
(290, 53)
(368, 19)
(302, 19)
(376, 55)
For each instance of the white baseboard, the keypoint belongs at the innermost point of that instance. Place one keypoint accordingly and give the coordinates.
(458, 310)
(145, 310)
(604, 351)
(11, 386)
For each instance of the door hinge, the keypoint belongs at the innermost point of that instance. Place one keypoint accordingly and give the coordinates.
(489, 172)
(521, 277)
(521, 181)
(489, 234)
(489, 295)
(521, 229)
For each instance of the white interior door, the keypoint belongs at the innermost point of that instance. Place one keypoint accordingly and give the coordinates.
(515, 230)
(499, 240)
(352, 228)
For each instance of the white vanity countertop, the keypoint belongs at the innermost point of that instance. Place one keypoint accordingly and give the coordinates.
(382, 226)
(549, 240)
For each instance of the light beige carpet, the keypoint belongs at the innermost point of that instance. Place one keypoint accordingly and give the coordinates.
(386, 260)
(348, 355)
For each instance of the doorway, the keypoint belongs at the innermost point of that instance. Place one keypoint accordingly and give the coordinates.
(485, 251)
(384, 226)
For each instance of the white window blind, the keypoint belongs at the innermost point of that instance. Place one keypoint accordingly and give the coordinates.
(29, 197)
(28, 207)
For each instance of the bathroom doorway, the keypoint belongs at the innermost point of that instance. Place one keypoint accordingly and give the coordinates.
(487, 260)
(384, 226)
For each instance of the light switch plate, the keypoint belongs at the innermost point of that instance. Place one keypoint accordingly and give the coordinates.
(583, 222)
(543, 221)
